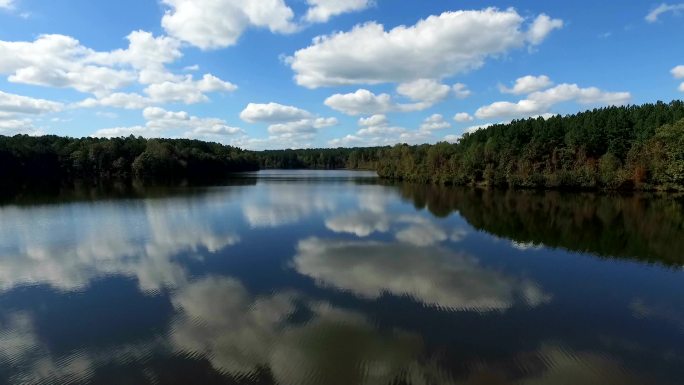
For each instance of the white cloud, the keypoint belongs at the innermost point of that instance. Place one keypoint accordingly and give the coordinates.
(163, 123)
(145, 53)
(461, 90)
(361, 102)
(377, 131)
(527, 84)
(375, 120)
(273, 113)
(302, 126)
(130, 101)
(18, 126)
(7, 4)
(210, 24)
(462, 117)
(382, 135)
(539, 103)
(290, 127)
(216, 130)
(63, 62)
(434, 123)
(321, 11)
(18, 104)
(59, 61)
(469, 130)
(653, 16)
(433, 48)
(678, 72)
(188, 91)
(365, 102)
(424, 90)
(541, 27)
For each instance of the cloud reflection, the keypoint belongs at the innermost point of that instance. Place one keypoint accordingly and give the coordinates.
(240, 334)
(68, 246)
(283, 204)
(432, 275)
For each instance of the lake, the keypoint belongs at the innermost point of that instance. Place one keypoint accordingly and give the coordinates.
(336, 277)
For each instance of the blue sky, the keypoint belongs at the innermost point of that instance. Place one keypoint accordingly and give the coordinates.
(302, 73)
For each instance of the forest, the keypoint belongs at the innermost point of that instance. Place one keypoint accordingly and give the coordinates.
(628, 147)
(632, 147)
(54, 158)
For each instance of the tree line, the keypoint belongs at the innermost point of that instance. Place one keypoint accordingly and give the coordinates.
(629, 147)
(54, 158)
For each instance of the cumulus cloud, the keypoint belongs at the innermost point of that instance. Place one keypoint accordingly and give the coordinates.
(462, 117)
(18, 126)
(63, 62)
(430, 275)
(18, 113)
(434, 123)
(365, 102)
(653, 16)
(289, 125)
(129, 101)
(461, 90)
(145, 53)
(161, 122)
(302, 126)
(59, 61)
(527, 85)
(375, 120)
(452, 138)
(210, 24)
(18, 104)
(273, 113)
(541, 27)
(434, 48)
(188, 91)
(539, 103)
(377, 131)
(361, 102)
(320, 11)
(424, 90)
(678, 73)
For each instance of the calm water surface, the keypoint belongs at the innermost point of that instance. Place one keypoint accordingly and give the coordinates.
(296, 278)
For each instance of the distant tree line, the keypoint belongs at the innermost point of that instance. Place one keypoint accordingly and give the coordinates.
(361, 158)
(54, 158)
(632, 147)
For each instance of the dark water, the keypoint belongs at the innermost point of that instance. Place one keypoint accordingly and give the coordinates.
(327, 278)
